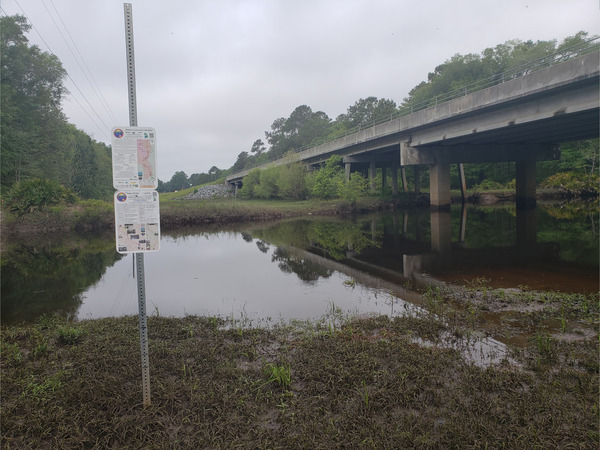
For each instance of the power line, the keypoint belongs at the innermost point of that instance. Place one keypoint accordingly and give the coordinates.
(94, 85)
(104, 131)
(76, 60)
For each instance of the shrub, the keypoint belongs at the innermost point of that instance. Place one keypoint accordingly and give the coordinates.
(326, 180)
(35, 194)
(291, 182)
(249, 183)
(488, 185)
(573, 183)
(267, 186)
(350, 191)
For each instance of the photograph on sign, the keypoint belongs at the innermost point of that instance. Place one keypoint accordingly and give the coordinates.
(134, 158)
(137, 221)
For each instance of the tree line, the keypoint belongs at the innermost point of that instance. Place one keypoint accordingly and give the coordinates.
(39, 143)
(305, 127)
(37, 140)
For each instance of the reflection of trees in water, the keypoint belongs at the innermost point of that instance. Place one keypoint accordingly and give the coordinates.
(262, 246)
(338, 238)
(334, 237)
(307, 271)
(45, 279)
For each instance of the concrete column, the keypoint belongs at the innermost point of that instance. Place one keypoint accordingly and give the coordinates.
(348, 168)
(404, 183)
(526, 227)
(525, 178)
(372, 175)
(441, 231)
(439, 186)
(417, 174)
(395, 178)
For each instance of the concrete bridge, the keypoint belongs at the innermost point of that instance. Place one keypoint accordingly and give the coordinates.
(522, 120)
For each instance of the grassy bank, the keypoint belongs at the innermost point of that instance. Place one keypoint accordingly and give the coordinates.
(345, 383)
(92, 215)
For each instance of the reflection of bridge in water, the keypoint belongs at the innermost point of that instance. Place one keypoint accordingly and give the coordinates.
(407, 254)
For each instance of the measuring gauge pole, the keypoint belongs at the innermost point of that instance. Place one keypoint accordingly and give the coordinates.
(137, 221)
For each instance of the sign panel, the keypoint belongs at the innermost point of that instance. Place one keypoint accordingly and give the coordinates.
(137, 221)
(134, 158)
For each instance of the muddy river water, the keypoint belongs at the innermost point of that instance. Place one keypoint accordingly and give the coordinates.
(307, 268)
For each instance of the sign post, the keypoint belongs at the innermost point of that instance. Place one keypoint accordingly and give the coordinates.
(137, 213)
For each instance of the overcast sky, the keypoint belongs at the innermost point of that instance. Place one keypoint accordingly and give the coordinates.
(213, 75)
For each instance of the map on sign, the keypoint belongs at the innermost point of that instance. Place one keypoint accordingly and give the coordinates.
(137, 221)
(134, 158)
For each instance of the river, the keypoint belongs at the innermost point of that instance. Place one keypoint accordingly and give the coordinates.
(306, 268)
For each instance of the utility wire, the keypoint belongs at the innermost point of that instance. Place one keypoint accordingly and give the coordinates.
(106, 127)
(104, 131)
(93, 82)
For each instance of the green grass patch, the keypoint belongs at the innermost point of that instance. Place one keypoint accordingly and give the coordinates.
(366, 384)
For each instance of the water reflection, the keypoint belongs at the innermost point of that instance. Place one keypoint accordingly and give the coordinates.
(300, 268)
(41, 277)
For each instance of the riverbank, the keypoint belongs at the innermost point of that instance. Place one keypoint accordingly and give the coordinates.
(96, 215)
(180, 209)
(340, 382)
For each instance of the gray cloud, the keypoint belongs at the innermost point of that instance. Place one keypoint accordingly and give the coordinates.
(213, 75)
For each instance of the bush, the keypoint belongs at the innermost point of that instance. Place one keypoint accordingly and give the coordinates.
(35, 194)
(573, 183)
(267, 186)
(488, 185)
(326, 180)
(291, 182)
(350, 191)
(249, 183)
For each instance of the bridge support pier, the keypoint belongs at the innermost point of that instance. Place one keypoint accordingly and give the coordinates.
(525, 178)
(395, 177)
(417, 175)
(441, 231)
(372, 169)
(439, 191)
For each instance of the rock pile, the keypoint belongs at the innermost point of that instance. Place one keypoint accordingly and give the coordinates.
(211, 191)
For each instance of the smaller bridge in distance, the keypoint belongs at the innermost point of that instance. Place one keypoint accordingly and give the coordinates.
(522, 120)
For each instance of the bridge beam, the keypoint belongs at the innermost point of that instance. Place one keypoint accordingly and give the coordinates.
(480, 153)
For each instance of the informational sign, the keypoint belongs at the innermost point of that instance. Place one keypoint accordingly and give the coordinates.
(137, 221)
(134, 158)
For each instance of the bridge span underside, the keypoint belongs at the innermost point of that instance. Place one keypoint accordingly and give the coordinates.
(522, 120)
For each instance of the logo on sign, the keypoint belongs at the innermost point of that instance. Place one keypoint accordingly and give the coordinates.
(118, 133)
(121, 196)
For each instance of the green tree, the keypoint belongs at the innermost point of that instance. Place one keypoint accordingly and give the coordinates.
(291, 181)
(267, 186)
(367, 111)
(327, 178)
(179, 181)
(31, 118)
(249, 182)
(354, 188)
(258, 147)
(243, 160)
